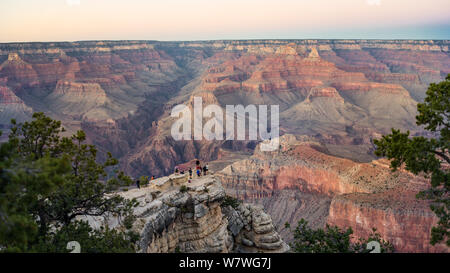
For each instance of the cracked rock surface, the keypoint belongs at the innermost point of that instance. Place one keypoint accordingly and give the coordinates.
(172, 218)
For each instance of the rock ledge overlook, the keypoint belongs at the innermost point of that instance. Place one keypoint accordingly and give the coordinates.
(193, 219)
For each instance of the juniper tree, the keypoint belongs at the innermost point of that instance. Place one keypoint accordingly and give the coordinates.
(47, 180)
(427, 155)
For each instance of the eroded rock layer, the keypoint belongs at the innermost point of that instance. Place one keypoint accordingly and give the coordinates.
(170, 219)
(121, 93)
(335, 191)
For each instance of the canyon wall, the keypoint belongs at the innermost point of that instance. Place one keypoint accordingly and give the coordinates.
(121, 93)
(326, 189)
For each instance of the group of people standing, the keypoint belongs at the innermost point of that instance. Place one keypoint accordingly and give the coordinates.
(198, 169)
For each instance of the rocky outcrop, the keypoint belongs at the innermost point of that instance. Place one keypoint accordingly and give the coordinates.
(80, 90)
(253, 230)
(363, 195)
(398, 216)
(18, 72)
(305, 166)
(170, 219)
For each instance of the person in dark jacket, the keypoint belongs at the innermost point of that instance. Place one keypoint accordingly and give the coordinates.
(138, 183)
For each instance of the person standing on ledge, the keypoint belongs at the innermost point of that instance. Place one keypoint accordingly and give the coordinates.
(138, 183)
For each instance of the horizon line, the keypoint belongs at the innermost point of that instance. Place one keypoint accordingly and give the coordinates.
(223, 40)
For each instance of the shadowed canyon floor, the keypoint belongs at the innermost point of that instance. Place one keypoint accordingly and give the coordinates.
(335, 96)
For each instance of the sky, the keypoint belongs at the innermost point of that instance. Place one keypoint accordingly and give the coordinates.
(75, 20)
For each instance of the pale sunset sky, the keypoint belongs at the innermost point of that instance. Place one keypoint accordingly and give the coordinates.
(74, 20)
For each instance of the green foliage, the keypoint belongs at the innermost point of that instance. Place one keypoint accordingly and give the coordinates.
(129, 220)
(428, 156)
(187, 209)
(24, 182)
(104, 240)
(386, 246)
(144, 180)
(331, 240)
(230, 201)
(183, 188)
(47, 180)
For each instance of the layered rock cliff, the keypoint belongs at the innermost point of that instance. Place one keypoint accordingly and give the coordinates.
(171, 219)
(401, 219)
(11, 106)
(121, 93)
(302, 181)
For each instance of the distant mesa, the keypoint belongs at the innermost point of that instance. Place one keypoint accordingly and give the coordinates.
(327, 92)
(313, 55)
(80, 89)
(13, 57)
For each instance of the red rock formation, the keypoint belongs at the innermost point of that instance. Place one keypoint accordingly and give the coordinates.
(18, 71)
(11, 106)
(274, 73)
(8, 97)
(367, 86)
(305, 168)
(79, 89)
(325, 92)
(397, 216)
(364, 195)
(394, 77)
(428, 64)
